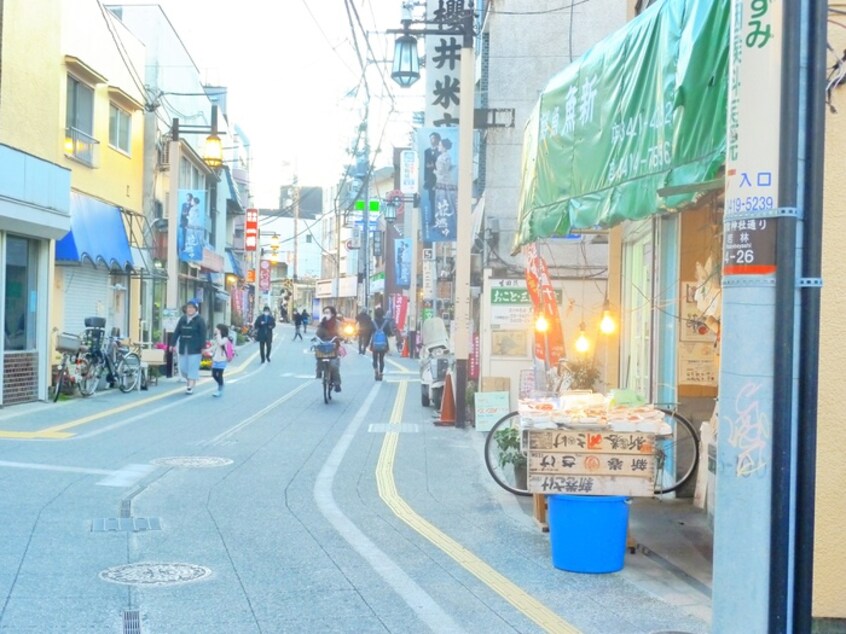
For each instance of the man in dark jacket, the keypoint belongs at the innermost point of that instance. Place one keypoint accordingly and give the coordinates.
(365, 328)
(190, 335)
(265, 323)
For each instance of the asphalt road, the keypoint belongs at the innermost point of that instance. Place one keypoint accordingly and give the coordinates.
(268, 511)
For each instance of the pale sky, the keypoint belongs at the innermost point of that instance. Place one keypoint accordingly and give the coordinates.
(288, 65)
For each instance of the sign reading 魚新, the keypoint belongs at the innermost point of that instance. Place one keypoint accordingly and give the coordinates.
(591, 462)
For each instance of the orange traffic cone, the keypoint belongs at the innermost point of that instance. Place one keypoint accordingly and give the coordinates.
(447, 404)
(405, 348)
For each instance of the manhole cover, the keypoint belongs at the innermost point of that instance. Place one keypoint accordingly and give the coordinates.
(192, 462)
(151, 574)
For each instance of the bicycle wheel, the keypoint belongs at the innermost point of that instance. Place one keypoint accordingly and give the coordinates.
(129, 372)
(89, 375)
(504, 456)
(62, 379)
(327, 384)
(676, 456)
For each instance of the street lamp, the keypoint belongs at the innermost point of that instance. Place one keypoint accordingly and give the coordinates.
(390, 207)
(452, 18)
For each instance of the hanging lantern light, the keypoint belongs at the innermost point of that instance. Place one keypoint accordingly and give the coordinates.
(406, 68)
(582, 342)
(607, 325)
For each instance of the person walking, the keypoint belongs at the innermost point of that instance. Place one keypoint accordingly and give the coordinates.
(382, 329)
(304, 315)
(223, 353)
(265, 323)
(190, 337)
(365, 329)
(298, 323)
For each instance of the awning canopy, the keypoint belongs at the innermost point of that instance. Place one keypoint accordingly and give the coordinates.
(234, 197)
(643, 110)
(231, 264)
(97, 234)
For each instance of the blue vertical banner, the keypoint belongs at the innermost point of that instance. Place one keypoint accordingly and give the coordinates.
(402, 262)
(438, 149)
(191, 236)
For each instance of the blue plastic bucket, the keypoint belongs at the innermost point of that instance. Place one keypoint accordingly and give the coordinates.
(587, 533)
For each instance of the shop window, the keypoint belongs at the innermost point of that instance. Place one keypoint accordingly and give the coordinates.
(120, 126)
(19, 326)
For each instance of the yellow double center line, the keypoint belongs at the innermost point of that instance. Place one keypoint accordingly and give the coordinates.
(516, 596)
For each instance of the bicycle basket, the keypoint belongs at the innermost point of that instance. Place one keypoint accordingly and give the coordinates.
(67, 342)
(325, 350)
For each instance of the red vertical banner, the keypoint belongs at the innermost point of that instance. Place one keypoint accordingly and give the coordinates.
(399, 310)
(543, 299)
(251, 230)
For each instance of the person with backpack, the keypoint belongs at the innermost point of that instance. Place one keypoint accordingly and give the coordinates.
(222, 356)
(379, 341)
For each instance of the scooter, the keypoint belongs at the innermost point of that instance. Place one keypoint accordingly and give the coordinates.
(435, 361)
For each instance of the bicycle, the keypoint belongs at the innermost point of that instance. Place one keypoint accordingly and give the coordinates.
(676, 455)
(327, 353)
(122, 365)
(73, 366)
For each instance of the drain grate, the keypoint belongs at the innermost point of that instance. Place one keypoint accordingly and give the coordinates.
(131, 622)
(126, 524)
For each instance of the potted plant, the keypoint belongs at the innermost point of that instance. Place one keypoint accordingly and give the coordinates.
(508, 443)
(470, 400)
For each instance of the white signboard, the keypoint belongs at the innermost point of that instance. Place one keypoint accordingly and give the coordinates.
(409, 179)
(490, 407)
(428, 279)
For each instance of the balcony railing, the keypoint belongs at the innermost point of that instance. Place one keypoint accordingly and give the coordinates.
(82, 147)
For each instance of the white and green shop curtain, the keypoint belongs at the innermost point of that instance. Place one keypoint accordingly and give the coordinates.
(642, 111)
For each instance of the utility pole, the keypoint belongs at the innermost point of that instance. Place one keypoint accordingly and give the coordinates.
(365, 236)
(295, 195)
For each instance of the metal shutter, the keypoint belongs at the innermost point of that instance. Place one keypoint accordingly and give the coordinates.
(85, 289)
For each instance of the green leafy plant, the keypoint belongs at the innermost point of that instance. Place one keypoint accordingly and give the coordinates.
(585, 374)
(470, 394)
(508, 442)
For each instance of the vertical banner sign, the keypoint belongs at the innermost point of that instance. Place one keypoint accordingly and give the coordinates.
(743, 518)
(443, 57)
(192, 225)
(402, 262)
(264, 276)
(438, 151)
(399, 310)
(543, 298)
(752, 143)
(251, 230)
(409, 173)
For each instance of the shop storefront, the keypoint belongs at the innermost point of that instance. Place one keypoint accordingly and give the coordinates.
(628, 136)
(34, 211)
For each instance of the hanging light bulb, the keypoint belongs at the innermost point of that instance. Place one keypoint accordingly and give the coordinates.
(607, 325)
(541, 323)
(582, 342)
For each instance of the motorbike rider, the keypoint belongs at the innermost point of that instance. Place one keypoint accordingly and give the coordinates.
(328, 328)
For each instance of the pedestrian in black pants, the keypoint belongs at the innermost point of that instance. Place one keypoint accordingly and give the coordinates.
(381, 330)
(264, 333)
(365, 329)
(298, 323)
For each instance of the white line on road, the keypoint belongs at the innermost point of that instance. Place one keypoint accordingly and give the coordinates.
(218, 440)
(125, 477)
(416, 597)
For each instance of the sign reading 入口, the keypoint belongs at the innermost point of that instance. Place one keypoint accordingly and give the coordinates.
(591, 462)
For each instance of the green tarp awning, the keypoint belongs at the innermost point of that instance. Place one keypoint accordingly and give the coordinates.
(643, 110)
